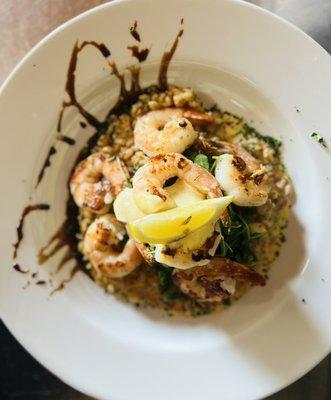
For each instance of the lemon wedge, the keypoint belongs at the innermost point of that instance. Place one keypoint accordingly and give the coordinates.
(125, 208)
(149, 203)
(171, 225)
(184, 194)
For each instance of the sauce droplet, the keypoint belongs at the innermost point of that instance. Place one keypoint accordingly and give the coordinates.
(18, 268)
(140, 55)
(134, 32)
(66, 139)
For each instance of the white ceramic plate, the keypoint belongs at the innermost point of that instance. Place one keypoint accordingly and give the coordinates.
(251, 63)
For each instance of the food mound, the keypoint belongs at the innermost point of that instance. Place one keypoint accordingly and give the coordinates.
(180, 207)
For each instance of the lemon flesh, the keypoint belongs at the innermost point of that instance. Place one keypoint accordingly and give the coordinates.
(171, 225)
(150, 203)
(184, 194)
(125, 208)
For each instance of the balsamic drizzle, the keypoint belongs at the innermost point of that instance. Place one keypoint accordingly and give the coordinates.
(20, 226)
(70, 87)
(65, 236)
(125, 95)
(134, 32)
(46, 164)
(18, 268)
(140, 55)
(165, 61)
(66, 139)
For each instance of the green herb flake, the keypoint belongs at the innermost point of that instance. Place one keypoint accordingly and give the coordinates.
(318, 138)
(169, 291)
(215, 108)
(227, 302)
(202, 160)
(170, 295)
(269, 140)
(190, 154)
(165, 280)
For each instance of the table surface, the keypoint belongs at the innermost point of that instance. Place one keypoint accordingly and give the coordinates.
(23, 23)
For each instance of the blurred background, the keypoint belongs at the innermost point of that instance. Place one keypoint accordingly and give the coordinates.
(22, 24)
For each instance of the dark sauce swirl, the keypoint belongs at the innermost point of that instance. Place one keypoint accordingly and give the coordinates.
(46, 164)
(19, 230)
(165, 61)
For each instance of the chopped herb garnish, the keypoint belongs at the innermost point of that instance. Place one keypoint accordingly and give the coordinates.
(168, 290)
(202, 160)
(271, 141)
(227, 302)
(215, 108)
(152, 249)
(190, 154)
(318, 138)
(164, 275)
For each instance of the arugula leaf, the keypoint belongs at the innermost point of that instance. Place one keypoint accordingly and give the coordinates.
(202, 160)
(236, 237)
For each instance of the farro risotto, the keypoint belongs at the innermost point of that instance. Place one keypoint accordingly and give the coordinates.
(179, 206)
